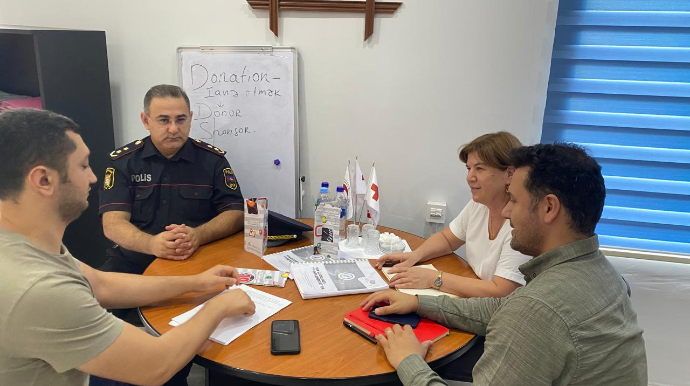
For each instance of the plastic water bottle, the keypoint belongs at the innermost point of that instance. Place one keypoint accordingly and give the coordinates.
(323, 194)
(341, 202)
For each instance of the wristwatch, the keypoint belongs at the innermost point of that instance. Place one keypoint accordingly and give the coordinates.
(438, 282)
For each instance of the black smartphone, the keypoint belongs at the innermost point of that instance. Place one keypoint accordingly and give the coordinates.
(285, 337)
(412, 318)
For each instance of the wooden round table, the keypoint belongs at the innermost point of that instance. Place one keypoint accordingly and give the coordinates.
(331, 354)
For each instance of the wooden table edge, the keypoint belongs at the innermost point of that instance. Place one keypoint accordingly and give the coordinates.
(285, 380)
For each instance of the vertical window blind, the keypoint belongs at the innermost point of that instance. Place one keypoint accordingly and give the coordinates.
(620, 86)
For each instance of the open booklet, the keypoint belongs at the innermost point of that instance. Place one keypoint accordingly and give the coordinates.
(283, 260)
(421, 291)
(337, 277)
(231, 328)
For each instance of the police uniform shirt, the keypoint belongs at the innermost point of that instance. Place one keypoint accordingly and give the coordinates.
(190, 188)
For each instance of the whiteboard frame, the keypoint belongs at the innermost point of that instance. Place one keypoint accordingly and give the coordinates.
(295, 92)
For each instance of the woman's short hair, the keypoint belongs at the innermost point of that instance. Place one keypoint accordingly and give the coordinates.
(493, 149)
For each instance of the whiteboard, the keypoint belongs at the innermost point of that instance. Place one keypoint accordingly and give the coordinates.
(244, 101)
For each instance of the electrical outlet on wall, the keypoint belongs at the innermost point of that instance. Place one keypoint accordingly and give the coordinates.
(436, 212)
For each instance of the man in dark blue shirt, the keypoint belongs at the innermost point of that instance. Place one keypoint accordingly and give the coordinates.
(166, 194)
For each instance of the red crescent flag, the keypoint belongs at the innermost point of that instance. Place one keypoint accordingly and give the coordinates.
(347, 187)
(373, 198)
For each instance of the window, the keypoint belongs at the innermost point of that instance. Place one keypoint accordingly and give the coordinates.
(620, 86)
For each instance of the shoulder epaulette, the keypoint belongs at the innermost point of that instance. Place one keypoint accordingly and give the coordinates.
(127, 149)
(208, 147)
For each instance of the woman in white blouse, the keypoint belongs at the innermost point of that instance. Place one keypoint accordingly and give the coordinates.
(480, 226)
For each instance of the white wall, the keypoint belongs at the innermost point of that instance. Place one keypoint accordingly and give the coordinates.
(435, 75)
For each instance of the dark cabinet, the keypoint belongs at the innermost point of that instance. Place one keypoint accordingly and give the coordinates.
(68, 69)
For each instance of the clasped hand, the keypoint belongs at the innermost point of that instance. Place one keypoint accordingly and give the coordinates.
(177, 242)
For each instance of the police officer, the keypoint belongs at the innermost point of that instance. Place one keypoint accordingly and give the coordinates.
(166, 194)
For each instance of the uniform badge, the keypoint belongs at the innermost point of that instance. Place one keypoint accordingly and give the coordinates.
(109, 180)
(230, 179)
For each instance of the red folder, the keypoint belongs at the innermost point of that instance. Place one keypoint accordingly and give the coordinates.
(360, 320)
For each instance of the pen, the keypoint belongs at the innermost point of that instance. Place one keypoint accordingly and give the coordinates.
(360, 333)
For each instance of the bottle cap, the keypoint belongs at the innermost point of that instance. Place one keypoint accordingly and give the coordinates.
(339, 189)
(324, 185)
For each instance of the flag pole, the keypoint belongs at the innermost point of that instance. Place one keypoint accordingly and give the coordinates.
(349, 177)
(356, 194)
(354, 198)
(368, 188)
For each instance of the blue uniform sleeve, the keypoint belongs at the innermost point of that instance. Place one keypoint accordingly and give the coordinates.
(226, 189)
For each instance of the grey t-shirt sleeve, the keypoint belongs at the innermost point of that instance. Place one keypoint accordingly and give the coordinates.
(59, 321)
(527, 344)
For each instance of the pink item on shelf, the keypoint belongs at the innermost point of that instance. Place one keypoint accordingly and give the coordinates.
(30, 103)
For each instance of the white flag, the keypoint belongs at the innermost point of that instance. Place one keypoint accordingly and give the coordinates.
(374, 210)
(348, 193)
(359, 189)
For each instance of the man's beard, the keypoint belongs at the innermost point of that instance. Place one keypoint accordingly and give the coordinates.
(529, 240)
(70, 208)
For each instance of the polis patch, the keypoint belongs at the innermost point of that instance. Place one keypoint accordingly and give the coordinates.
(230, 179)
(109, 180)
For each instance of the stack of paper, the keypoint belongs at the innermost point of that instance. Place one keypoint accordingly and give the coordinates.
(231, 328)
